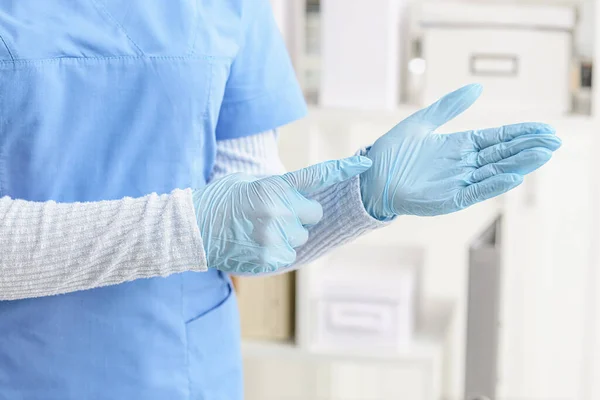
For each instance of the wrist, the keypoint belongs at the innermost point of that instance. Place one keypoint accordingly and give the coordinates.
(373, 205)
(369, 204)
(196, 200)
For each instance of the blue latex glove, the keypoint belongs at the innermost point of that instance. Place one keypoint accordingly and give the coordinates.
(418, 172)
(252, 226)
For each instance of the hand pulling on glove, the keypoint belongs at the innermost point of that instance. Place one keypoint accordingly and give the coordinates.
(252, 226)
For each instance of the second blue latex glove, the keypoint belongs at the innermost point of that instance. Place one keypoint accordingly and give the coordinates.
(418, 172)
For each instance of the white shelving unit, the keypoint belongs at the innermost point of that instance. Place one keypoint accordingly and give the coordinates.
(546, 253)
(293, 20)
(550, 332)
(443, 247)
(591, 372)
(422, 349)
(288, 372)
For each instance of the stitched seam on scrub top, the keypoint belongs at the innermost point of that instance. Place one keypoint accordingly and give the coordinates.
(3, 163)
(12, 58)
(84, 60)
(209, 79)
(103, 11)
(56, 59)
(242, 102)
(192, 49)
(275, 93)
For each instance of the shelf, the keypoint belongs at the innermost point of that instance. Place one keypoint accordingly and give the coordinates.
(319, 113)
(423, 349)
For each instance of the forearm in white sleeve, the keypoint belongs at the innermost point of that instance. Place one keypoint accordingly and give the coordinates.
(49, 248)
(344, 216)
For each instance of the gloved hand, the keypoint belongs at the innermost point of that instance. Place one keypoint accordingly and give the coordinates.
(252, 226)
(418, 172)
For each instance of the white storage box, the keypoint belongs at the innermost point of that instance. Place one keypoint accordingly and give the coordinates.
(520, 53)
(363, 300)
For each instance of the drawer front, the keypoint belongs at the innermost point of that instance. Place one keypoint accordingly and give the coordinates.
(302, 378)
(522, 70)
(359, 381)
(354, 323)
(359, 318)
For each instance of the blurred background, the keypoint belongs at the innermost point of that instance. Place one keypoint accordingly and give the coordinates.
(498, 302)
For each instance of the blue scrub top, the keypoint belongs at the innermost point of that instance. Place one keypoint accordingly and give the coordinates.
(101, 99)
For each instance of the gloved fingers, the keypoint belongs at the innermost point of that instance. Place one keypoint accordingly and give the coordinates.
(521, 163)
(279, 257)
(505, 150)
(448, 107)
(252, 258)
(308, 211)
(279, 232)
(486, 189)
(297, 235)
(267, 231)
(320, 176)
(488, 137)
(274, 239)
(268, 259)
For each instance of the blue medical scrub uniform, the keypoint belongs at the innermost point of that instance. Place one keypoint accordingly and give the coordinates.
(101, 99)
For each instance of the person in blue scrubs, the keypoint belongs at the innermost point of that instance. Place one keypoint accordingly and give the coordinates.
(176, 76)
(106, 99)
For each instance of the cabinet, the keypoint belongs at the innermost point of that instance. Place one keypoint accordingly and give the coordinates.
(483, 319)
(277, 372)
(266, 306)
(360, 297)
(547, 288)
(547, 250)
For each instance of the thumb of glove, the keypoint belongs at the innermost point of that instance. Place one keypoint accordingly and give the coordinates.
(320, 176)
(442, 111)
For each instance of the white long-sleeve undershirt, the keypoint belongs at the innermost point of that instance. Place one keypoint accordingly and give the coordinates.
(49, 248)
